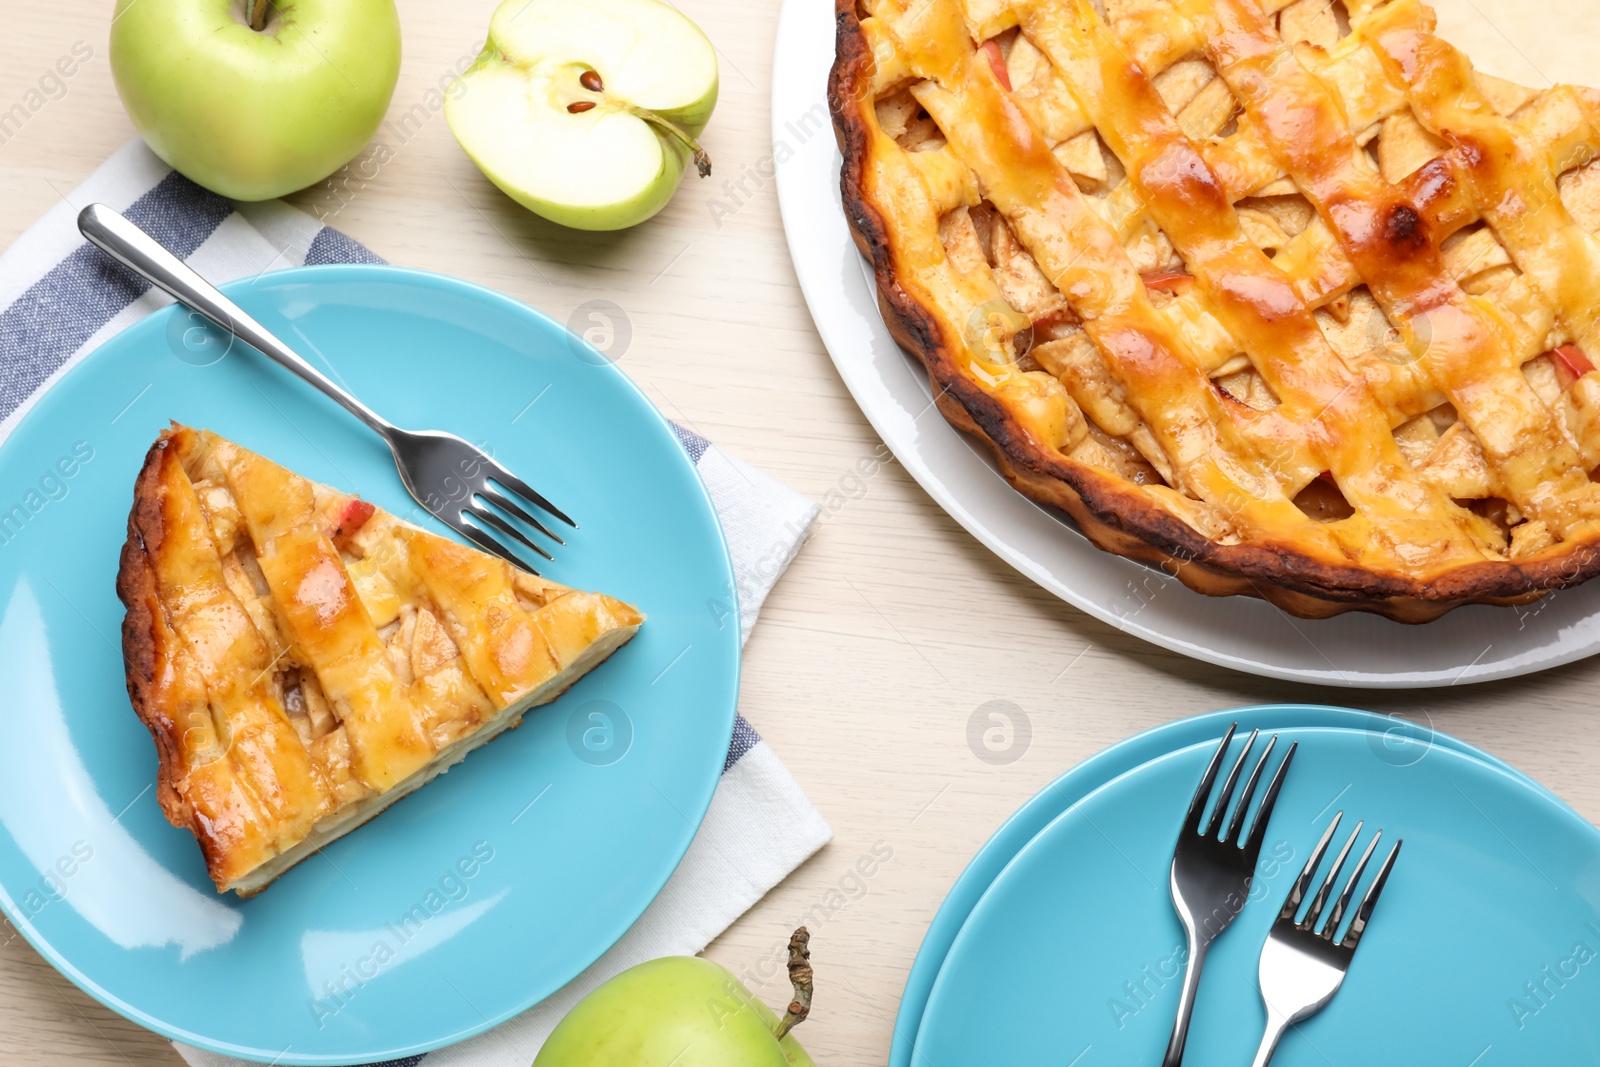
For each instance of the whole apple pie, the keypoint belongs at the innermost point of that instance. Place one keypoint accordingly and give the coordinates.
(304, 659)
(1284, 297)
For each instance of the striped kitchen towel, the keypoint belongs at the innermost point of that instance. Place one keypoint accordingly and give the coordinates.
(59, 298)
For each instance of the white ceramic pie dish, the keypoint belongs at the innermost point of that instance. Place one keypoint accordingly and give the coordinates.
(1358, 650)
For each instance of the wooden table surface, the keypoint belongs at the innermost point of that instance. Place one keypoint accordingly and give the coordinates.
(892, 627)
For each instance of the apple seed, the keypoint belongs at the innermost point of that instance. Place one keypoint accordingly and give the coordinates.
(590, 80)
(578, 107)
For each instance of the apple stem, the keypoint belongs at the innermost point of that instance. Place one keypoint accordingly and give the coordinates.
(702, 161)
(800, 975)
(258, 15)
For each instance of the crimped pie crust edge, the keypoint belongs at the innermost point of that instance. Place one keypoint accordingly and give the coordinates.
(1113, 516)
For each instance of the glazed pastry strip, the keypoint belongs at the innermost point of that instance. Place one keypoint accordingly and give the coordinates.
(1073, 245)
(1076, 251)
(447, 701)
(1510, 179)
(1466, 349)
(325, 620)
(504, 648)
(262, 777)
(1325, 409)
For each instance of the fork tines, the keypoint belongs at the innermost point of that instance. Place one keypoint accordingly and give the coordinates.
(1214, 828)
(495, 494)
(1318, 911)
(490, 495)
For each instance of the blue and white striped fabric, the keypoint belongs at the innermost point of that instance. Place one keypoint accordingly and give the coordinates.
(59, 298)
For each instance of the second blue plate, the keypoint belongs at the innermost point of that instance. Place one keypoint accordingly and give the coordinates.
(1479, 944)
(1392, 739)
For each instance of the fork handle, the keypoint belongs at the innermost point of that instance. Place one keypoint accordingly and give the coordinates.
(141, 253)
(1276, 1025)
(1186, 995)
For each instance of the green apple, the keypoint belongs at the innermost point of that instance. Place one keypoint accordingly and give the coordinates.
(586, 111)
(256, 103)
(682, 1012)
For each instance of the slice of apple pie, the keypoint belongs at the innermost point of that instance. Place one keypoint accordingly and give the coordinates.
(303, 659)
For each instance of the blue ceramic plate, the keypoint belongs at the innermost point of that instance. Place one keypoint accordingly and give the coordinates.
(492, 887)
(1393, 739)
(1479, 947)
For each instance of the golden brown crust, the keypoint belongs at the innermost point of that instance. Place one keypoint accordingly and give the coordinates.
(144, 641)
(293, 686)
(1115, 514)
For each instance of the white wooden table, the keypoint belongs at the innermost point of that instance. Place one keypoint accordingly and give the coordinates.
(893, 626)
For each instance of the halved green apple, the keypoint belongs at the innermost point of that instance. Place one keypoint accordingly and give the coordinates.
(586, 111)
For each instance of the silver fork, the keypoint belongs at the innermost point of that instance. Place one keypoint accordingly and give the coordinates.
(1302, 966)
(451, 478)
(1212, 867)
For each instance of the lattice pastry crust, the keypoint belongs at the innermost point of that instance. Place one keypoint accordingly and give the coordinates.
(1283, 296)
(303, 659)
